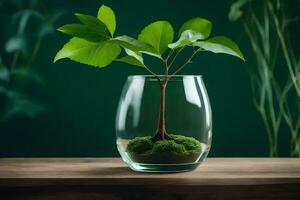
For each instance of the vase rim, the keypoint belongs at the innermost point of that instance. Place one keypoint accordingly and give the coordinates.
(161, 76)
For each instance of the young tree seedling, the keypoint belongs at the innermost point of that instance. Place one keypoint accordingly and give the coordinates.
(93, 43)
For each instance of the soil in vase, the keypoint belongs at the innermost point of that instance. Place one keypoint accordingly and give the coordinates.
(175, 150)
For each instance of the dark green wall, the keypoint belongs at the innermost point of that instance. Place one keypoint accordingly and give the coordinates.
(82, 100)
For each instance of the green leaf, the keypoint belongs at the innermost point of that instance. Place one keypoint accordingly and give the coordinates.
(187, 37)
(136, 55)
(131, 43)
(235, 10)
(107, 16)
(94, 22)
(221, 44)
(91, 21)
(98, 54)
(16, 43)
(88, 32)
(130, 60)
(133, 58)
(200, 25)
(158, 34)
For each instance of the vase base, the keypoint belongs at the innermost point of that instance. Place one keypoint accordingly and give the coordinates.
(163, 168)
(164, 163)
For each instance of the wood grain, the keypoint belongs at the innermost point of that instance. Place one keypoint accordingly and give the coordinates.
(110, 178)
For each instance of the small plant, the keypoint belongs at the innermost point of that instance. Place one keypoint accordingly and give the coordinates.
(93, 43)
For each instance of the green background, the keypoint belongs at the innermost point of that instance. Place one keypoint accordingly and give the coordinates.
(82, 100)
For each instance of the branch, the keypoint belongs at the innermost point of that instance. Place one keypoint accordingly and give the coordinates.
(170, 54)
(177, 53)
(34, 52)
(186, 63)
(253, 80)
(154, 74)
(166, 78)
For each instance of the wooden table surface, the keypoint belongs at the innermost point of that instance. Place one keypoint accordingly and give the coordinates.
(110, 178)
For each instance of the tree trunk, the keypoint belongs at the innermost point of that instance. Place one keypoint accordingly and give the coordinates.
(161, 133)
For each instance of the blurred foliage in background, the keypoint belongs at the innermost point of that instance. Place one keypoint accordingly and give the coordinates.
(272, 27)
(27, 24)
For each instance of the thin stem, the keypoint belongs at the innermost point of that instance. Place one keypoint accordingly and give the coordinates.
(35, 51)
(186, 63)
(161, 133)
(177, 53)
(293, 68)
(154, 74)
(166, 66)
(267, 33)
(253, 89)
(266, 97)
(170, 54)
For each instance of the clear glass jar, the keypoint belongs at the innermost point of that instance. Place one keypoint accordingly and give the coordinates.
(188, 123)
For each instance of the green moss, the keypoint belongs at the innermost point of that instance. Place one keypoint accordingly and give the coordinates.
(168, 146)
(190, 144)
(178, 145)
(140, 145)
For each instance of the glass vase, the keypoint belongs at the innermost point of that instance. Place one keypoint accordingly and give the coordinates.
(186, 120)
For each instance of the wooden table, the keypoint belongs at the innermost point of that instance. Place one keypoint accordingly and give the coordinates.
(109, 178)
